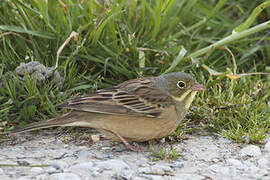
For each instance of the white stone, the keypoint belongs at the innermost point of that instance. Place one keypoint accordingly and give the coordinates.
(87, 165)
(187, 176)
(236, 163)
(267, 147)
(113, 164)
(251, 150)
(263, 163)
(1, 171)
(64, 176)
(249, 165)
(57, 164)
(154, 177)
(23, 178)
(81, 168)
(163, 167)
(115, 167)
(178, 164)
(36, 169)
(144, 170)
(157, 171)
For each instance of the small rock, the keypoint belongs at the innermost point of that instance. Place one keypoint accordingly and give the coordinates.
(20, 156)
(23, 163)
(95, 138)
(1, 171)
(115, 166)
(267, 140)
(251, 150)
(51, 170)
(64, 176)
(188, 176)
(267, 147)
(236, 163)
(36, 170)
(249, 164)
(165, 168)
(178, 164)
(106, 148)
(23, 178)
(215, 160)
(154, 177)
(253, 170)
(157, 171)
(84, 155)
(56, 166)
(81, 168)
(39, 71)
(263, 163)
(223, 170)
(144, 170)
(66, 145)
(96, 172)
(41, 177)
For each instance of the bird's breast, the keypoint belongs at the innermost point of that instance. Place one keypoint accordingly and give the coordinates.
(139, 128)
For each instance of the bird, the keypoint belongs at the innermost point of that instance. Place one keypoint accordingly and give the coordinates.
(135, 110)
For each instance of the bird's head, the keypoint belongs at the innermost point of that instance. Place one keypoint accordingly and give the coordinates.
(182, 87)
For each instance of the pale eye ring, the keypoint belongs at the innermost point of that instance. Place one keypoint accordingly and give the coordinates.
(181, 84)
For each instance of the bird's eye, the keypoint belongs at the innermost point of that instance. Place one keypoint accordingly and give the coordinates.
(181, 84)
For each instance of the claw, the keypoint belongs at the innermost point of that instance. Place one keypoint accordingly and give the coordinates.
(129, 146)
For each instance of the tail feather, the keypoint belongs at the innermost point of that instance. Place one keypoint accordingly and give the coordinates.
(58, 121)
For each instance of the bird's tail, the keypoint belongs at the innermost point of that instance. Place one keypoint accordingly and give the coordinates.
(63, 120)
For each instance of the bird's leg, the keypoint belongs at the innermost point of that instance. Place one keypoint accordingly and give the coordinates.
(129, 146)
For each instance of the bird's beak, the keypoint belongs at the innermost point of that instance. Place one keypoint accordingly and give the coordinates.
(197, 87)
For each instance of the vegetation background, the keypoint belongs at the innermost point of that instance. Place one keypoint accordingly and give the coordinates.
(116, 40)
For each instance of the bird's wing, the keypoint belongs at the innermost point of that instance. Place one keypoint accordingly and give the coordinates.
(138, 97)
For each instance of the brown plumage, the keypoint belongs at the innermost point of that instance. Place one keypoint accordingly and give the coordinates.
(135, 110)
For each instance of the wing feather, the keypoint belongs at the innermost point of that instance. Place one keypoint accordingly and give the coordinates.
(138, 97)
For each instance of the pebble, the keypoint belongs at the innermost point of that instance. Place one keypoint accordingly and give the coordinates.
(23, 163)
(157, 171)
(56, 164)
(154, 177)
(84, 155)
(81, 168)
(251, 150)
(224, 140)
(267, 140)
(249, 165)
(23, 178)
(36, 170)
(115, 166)
(178, 164)
(202, 157)
(263, 163)
(95, 138)
(1, 171)
(223, 170)
(20, 156)
(144, 170)
(267, 147)
(236, 163)
(165, 168)
(64, 176)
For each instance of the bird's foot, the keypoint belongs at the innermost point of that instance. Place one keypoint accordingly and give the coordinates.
(129, 146)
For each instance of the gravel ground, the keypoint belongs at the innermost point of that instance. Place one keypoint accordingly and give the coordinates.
(203, 157)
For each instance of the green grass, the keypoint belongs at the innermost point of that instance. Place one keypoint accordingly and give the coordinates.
(163, 153)
(123, 39)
